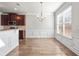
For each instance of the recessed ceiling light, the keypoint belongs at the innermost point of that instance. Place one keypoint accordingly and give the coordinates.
(15, 8)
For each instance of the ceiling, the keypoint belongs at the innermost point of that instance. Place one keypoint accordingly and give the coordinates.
(28, 7)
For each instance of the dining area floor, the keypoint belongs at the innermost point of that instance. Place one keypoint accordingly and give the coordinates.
(41, 47)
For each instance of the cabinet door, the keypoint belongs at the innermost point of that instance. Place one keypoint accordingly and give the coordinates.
(20, 20)
(21, 34)
(13, 17)
(4, 19)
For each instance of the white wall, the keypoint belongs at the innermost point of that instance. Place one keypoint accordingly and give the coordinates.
(37, 29)
(73, 43)
(75, 25)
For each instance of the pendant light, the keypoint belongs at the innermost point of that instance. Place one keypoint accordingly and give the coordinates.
(41, 17)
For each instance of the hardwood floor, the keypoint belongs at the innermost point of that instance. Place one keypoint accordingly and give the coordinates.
(41, 47)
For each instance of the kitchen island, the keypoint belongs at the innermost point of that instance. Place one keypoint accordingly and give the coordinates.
(9, 39)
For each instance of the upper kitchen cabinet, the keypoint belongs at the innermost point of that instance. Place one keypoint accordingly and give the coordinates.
(12, 17)
(20, 20)
(4, 19)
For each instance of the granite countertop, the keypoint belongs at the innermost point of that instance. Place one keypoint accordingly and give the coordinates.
(6, 29)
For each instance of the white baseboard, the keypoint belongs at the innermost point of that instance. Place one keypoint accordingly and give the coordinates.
(40, 37)
(71, 48)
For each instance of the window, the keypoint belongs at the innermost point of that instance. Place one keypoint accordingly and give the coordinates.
(64, 22)
(60, 24)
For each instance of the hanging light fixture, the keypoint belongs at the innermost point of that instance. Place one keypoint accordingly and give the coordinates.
(41, 17)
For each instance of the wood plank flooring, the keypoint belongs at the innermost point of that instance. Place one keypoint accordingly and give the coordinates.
(41, 47)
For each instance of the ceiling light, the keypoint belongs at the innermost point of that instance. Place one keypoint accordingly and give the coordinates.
(41, 16)
(15, 8)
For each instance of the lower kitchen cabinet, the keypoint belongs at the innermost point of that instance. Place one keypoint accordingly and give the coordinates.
(21, 34)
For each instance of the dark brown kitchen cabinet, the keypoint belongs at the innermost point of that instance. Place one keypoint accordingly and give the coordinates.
(20, 20)
(4, 19)
(11, 17)
(21, 34)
